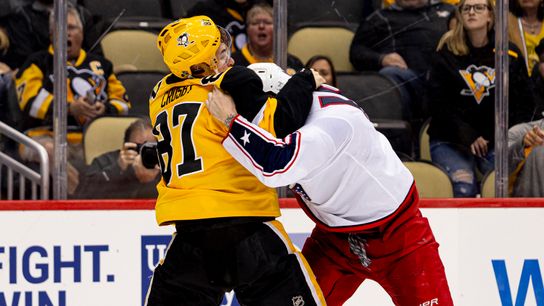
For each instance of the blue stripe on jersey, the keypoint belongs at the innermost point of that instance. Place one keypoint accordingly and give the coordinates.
(328, 88)
(270, 155)
(337, 98)
(332, 100)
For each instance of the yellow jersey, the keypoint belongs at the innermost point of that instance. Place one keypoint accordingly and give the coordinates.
(201, 180)
(531, 41)
(90, 75)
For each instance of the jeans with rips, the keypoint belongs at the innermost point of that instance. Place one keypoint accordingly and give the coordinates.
(461, 165)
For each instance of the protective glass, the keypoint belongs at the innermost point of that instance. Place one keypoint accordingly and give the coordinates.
(226, 39)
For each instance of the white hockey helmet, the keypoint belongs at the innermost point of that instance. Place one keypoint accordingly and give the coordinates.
(272, 75)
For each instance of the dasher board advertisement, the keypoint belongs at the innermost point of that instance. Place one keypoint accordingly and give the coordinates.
(492, 256)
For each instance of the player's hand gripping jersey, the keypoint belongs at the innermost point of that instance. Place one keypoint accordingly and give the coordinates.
(346, 173)
(199, 178)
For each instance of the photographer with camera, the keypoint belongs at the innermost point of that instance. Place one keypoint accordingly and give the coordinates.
(120, 174)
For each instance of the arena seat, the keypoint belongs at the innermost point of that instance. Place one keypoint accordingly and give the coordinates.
(380, 100)
(399, 134)
(431, 180)
(139, 85)
(180, 7)
(142, 9)
(104, 134)
(135, 48)
(348, 13)
(488, 185)
(424, 145)
(375, 93)
(332, 41)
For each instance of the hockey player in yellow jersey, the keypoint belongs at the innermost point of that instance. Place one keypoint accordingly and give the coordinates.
(226, 236)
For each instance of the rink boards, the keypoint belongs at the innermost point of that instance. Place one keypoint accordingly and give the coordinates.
(82, 253)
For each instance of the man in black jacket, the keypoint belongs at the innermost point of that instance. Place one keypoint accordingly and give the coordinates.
(398, 42)
(28, 30)
(120, 174)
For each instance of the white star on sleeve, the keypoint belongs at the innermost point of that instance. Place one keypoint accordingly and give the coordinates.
(245, 138)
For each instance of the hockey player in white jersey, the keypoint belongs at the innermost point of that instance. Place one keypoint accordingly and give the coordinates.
(351, 183)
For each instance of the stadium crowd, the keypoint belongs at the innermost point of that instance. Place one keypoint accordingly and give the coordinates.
(436, 56)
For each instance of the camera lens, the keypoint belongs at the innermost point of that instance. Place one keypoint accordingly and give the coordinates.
(148, 151)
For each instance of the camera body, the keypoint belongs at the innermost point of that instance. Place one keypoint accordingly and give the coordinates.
(148, 152)
(138, 148)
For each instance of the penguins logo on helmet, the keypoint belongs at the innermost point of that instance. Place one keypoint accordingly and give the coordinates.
(183, 40)
(189, 43)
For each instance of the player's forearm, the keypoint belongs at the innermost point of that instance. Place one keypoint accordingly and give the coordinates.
(268, 158)
(294, 103)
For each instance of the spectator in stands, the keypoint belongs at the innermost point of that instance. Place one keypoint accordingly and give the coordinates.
(260, 44)
(4, 40)
(93, 90)
(120, 174)
(27, 28)
(526, 159)
(398, 41)
(229, 14)
(369, 6)
(10, 113)
(529, 14)
(537, 78)
(6, 73)
(525, 142)
(323, 64)
(9, 107)
(462, 96)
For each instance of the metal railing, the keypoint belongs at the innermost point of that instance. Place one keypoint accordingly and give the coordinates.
(25, 173)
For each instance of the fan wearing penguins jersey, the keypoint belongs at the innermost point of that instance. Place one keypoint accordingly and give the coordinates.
(351, 183)
(226, 236)
(93, 90)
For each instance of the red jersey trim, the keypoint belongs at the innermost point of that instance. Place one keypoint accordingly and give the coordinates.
(410, 199)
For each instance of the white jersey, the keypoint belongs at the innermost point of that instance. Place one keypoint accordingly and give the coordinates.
(345, 172)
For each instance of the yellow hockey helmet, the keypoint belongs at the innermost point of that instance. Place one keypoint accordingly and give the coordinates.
(187, 42)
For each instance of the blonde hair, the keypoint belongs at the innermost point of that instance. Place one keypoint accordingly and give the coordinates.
(456, 38)
(260, 8)
(4, 41)
(70, 10)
